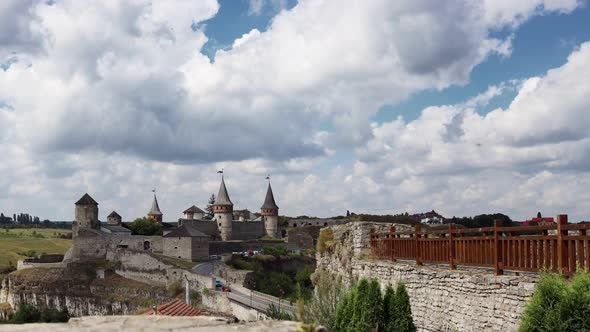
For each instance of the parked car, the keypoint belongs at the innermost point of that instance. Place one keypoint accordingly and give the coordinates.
(225, 289)
(218, 284)
(214, 257)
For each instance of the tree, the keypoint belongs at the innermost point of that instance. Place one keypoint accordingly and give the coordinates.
(209, 207)
(404, 321)
(388, 315)
(145, 226)
(539, 214)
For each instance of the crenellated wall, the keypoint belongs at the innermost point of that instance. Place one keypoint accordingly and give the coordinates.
(441, 299)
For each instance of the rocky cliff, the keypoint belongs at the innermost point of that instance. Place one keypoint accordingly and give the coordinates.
(80, 292)
(441, 299)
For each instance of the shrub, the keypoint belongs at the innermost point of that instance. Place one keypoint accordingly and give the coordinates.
(328, 293)
(277, 251)
(26, 313)
(403, 321)
(559, 306)
(175, 288)
(325, 240)
(55, 316)
(195, 296)
(274, 312)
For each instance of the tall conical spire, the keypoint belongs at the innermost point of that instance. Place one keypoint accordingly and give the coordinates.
(269, 200)
(155, 210)
(223, 197)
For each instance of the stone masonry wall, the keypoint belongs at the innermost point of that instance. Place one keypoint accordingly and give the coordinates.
(441, 299)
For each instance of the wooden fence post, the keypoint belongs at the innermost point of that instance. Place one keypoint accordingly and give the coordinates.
(417, 236)
(373, 243)
(391, 242)
(562, 245)
(498, 259)
(452, 262)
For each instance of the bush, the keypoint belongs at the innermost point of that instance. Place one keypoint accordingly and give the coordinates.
(325, 240)
(55, 316)
(275, 251)
(145, 226)
(559, 306)
(195, 296)
(26, 313)
(175, 288)
(328, 293)
(274, 312)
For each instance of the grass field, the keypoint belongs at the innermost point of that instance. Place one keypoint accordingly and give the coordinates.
(13, 242)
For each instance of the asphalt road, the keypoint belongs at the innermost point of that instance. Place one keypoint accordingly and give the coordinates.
(205, 269)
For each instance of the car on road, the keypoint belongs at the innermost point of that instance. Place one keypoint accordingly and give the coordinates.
(225, 289)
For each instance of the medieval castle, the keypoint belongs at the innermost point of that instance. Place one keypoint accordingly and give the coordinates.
(188, 239)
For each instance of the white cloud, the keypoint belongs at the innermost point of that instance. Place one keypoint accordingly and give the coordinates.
(104, 95)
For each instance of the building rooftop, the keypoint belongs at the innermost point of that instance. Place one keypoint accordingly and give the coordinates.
(115, 229)
(155, 210)
(175, 308)
(186, 230)
(193, 209)
(223, 197)
(269, 200)
(86, 200)
(114, 215)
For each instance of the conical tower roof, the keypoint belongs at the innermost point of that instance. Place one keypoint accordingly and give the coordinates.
(86, 200)
(269, 200)
(223, 197)
(155, 210)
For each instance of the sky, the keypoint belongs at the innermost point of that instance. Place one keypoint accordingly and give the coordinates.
(463, 107)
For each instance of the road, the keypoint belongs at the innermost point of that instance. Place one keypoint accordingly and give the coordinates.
(205, 269)
(242, 295)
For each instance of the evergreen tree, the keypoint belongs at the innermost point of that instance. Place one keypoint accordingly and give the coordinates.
(209, 207)
(342, 318)
(360, 315)
(373, 303)
(404, 321)
(388, 316)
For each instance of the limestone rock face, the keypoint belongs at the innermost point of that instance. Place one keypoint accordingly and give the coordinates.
(441, 299)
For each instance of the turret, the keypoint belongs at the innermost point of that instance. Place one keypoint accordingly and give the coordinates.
(223, 210)
(193, 212)
(270, 214)
(86, 215)
(155, 213)
(114, 219)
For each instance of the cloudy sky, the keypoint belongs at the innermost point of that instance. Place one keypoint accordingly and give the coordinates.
(464, 107)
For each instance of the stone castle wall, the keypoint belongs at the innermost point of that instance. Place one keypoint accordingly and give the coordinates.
(224, 247)
(247, 230)
(93, 244)
(441, 299)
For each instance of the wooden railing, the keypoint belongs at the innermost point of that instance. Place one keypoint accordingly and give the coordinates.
(559, 247)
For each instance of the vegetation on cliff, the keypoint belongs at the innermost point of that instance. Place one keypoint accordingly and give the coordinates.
(559, 305)
(277, 273)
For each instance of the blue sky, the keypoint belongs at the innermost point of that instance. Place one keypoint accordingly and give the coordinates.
(117, 100)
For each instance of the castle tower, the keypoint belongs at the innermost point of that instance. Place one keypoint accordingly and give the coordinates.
(155, 213)
(114, 219)
(193, 212)
(270, 214)
(86, 215)
(223, 212)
